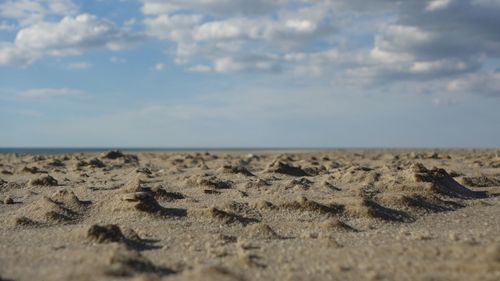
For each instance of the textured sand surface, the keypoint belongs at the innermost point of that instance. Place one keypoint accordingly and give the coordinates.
(325, 215)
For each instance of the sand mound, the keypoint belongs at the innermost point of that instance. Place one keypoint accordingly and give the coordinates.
(281, 167)
(243, 209)
(33, 170)
(68, 199)
(142, 201)
(208, 181)
(111, 233)
(304, 204)
(335, 225)
(314, 169)
(430, 203)
(161, 194)
(443, 183)
(25, 222)
(44, 181)
(56, 163)
(62, 207)
(144, 171)
(80, 164)
(228, 169)
(368, 208)
(127, 263)
(360, 175)
(302, 183)
(105, 233)
(136, 184)
(94, 163)
(6, 172)
(259, 231)
(257, 183)
(8, 200)
(116, 154)
(113, 154)
(481, 181)
(378, 211)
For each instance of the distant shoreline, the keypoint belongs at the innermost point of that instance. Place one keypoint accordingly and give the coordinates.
(64, 150)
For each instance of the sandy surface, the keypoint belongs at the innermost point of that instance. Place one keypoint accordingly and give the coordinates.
(333, 215)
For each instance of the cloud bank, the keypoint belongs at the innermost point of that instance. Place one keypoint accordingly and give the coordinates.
(381, 42)
(443, 45)
(56, 28)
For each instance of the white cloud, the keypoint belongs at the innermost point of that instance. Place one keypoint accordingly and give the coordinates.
(159, 67)
(69, 36)
(387, 57)
(9, 54)
(239, 35)
(249, 64)
(200, 68)
(379, 42)
(301, 25)
(73, 35)
(413, 40)
(229, 29)
(482, 83)
(28, 12)
(435, 5)
(50, 92)
(436, 66)
(400, 39)
(172, 27)
(426, 41)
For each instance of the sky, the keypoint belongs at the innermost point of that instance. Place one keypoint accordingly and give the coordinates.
(249, 73)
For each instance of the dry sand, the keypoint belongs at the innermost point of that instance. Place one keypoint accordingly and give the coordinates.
(332, 215)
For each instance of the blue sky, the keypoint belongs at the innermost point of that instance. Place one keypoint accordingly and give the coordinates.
(241, 73)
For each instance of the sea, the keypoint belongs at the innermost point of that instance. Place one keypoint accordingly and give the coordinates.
(64, 150)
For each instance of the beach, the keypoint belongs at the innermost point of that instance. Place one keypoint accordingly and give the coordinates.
(352, 214)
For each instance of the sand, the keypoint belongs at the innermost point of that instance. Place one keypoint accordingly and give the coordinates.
(313, 215)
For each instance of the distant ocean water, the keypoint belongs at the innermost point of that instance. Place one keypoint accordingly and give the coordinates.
(56, 150)
(63, 150)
